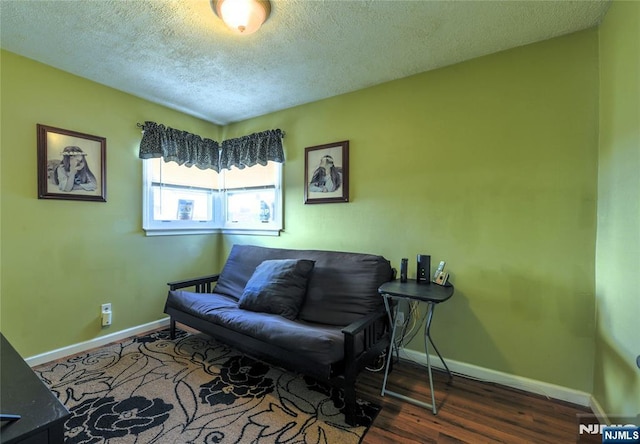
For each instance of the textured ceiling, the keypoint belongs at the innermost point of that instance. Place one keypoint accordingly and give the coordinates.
(178, 53)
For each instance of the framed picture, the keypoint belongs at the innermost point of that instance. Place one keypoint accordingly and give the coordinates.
(326, 173)
(71, 165)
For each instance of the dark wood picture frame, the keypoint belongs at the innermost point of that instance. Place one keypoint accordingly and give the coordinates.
(71, 165)
(326, 173)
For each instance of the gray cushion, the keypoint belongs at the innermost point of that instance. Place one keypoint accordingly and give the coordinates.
(278, 286)
(342, 288)
(323, 344)
(345, 288)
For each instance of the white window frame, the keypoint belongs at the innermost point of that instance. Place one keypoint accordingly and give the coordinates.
(219, 223)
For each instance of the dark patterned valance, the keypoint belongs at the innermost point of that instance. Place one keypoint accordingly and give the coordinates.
(256, 148)
(189, 149)
(179, 146)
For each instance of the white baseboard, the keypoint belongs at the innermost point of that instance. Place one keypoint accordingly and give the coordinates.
(597, 410)
(506, 379)
(93, 343)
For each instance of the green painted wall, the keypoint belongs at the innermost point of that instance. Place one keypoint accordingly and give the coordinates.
(617, 379)
(490, 165)
(62, 259)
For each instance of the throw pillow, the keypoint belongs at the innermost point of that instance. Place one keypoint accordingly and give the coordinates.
(277, 287)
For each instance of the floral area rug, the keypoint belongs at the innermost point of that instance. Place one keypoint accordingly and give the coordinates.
(151, 389)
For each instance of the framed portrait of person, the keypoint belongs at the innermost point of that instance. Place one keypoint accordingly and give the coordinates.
(71, 165)
(326, 173)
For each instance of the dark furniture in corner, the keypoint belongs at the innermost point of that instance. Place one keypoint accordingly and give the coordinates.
(42, 415)
(340, 328)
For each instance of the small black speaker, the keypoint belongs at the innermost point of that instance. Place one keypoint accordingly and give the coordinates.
(403, 269)
(424, 269)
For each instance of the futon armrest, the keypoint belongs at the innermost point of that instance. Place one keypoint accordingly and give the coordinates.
(364, 340)
(201, 284)
(356, 327)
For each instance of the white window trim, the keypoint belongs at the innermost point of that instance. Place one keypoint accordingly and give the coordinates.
(217, 225)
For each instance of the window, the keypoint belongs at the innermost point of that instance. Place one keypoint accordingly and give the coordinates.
(252, 197)
(181, 200)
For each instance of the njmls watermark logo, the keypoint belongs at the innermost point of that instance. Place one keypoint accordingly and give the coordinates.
(619, 429)
(628, 433)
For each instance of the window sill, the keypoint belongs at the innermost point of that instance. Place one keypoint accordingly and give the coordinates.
(179, 231)
(252, 232)
(230, 231)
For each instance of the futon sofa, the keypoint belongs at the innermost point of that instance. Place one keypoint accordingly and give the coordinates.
(315, 312)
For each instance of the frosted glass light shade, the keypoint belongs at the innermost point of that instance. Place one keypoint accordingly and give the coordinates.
(242, 16)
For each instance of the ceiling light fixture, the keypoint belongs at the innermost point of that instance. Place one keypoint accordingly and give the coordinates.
(242, 16)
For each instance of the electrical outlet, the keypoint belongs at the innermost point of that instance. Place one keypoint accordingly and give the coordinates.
(400, 318)
(106, 315)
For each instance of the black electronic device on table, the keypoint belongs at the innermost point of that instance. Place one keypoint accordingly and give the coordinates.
(403, 269)
(424, 268)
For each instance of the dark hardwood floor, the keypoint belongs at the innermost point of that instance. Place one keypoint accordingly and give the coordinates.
(469, 411)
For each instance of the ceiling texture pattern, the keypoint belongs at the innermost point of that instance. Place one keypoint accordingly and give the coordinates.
(178, 53)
